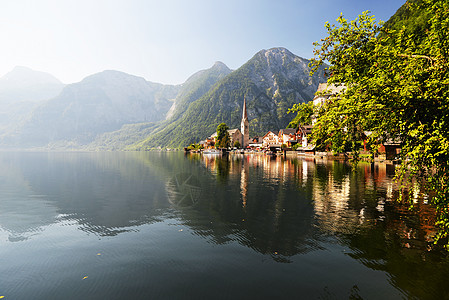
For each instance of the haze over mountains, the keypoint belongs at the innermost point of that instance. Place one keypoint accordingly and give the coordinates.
(114, 110)
(24, 84)
(21, 90)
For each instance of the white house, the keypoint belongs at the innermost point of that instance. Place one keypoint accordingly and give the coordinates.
(271, 139)
(324, 92)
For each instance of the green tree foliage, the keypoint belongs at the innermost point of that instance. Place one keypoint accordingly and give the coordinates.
(223, 138)
(237, 144)
(413, 21)
(304, 114)
(195, 146)
(397, 87)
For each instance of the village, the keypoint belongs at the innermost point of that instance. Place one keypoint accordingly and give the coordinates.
(270, 143)
(290, 140)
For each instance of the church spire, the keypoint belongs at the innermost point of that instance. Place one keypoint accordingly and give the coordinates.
(244, 127)
(244, 116)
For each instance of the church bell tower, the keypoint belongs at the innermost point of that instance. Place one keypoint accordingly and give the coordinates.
(244, 127)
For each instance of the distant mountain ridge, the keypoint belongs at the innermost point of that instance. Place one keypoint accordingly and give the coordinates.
(99, 103)
(25, 84)
(21, 90)
(115, 110)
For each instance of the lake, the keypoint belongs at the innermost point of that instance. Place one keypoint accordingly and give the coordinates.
(165, 225)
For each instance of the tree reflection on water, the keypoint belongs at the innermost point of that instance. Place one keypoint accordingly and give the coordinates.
(342, 201)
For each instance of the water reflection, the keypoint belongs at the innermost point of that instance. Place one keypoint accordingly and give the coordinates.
(103, 194)
(24, 212)
(270, 204)
(246, 200)
(283, 210)
(325, 198)
(293, 206)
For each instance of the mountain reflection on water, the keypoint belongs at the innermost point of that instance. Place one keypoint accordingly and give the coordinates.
(279, 208)
(102, 194)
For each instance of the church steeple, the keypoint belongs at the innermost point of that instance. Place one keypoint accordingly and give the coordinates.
(245, 116)
(244, 127)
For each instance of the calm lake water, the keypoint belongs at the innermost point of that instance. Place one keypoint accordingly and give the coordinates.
(169, 226)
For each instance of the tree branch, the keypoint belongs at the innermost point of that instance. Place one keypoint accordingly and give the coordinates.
(417, 56)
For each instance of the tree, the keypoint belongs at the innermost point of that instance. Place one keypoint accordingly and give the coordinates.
(304, 114)
(237, 144)
(223, 138)
(397, 87)
(195, 146)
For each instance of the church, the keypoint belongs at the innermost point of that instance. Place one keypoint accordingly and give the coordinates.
(242, 134)
(244, 127)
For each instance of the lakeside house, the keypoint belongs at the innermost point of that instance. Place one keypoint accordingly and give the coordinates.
(208, 143)
(303, 135)
(255, 142)
(390, 149)
(288, 137)
(323, 93)
(271, 140)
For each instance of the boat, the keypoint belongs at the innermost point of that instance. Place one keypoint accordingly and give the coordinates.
(211, 151)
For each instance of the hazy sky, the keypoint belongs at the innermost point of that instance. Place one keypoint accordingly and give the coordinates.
(164, 41)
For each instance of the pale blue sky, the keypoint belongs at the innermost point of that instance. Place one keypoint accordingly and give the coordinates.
(163, 41)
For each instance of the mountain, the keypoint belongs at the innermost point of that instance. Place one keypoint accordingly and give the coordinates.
(120, 139)
(100, 103)
(115, 110)
(21, 90)
(272, 81)
(24, 84)
(415, 22)
(196, 86)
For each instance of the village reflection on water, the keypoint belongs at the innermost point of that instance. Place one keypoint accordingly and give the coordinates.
(344, 201)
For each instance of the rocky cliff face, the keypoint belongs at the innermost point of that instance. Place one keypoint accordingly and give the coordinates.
(279, 80)
(278, 69)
